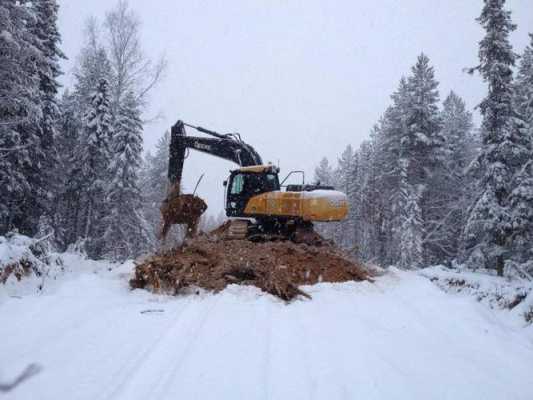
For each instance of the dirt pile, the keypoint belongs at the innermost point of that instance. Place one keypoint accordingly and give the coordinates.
(279, 268)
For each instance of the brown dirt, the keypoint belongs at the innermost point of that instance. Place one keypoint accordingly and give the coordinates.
(279, 268)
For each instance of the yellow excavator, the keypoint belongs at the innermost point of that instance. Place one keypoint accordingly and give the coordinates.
(258, 205)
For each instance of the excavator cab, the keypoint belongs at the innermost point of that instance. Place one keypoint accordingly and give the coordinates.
(246, 182)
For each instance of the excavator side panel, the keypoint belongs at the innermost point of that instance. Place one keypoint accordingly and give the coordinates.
(286, 204)
(324, 206)
(308, 206)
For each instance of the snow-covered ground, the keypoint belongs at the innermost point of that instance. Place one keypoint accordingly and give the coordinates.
(398, 338)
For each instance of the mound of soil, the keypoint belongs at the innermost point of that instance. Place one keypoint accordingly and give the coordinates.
(279, 268)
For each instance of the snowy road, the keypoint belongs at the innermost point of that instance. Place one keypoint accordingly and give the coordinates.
(400, 338)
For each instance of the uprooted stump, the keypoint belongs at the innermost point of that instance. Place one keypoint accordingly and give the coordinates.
(278, 268)
(181, 209)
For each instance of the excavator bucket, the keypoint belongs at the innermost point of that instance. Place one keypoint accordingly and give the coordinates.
(185, 209)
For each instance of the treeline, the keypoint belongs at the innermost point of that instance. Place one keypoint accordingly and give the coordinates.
(427, 188)
(70, 165)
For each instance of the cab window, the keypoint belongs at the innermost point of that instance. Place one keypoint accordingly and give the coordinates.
(272, 183)
(237, 184)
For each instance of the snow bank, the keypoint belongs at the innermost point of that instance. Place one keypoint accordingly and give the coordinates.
(21, 257)
(496, 292)
(28, 266)
(14, 248)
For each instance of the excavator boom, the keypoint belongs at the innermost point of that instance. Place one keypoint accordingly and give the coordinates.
(229, 147)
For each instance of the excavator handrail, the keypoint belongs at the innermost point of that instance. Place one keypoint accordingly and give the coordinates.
(235, 135)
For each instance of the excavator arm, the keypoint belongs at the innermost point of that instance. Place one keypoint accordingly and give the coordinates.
(228, 147)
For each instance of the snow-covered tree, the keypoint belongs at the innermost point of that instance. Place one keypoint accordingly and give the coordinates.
(324, 173)
(69, 196)
(410, 147)
(411, 252)
(126, 230)
(452, 182)
(155, 181)
(46, 31)
(521, 198)
(20, 107)
(523, 100)
(370, 212)
(78, 143)
(395, 182)
(423, 155)
(92, 65)
(93, 158)
(345, 176)
(457, 127)
(46, 175)
(504, 148)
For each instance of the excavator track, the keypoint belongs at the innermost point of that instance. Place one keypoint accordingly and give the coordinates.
(238, 229)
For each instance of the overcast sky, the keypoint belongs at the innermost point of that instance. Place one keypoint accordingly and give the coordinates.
(298, 79)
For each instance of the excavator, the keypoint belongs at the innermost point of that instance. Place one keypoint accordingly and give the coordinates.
(258, 205)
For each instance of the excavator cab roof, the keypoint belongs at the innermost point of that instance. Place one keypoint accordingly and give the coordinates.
(259, 169)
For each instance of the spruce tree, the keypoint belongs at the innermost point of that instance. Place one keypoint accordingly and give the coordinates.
(325, 175)
(20, 108)
(345, 175)
(93, 65)
(126, 233)
(93, 158)
(69, 199)
(370, 213)
(411, 253)
(521, 198)
(457, 127)
(455, 184)
(523, 100)
(394, 172)
(46, 177)
(155, 181)
(504, 149)
(423, 151)
(79, 146)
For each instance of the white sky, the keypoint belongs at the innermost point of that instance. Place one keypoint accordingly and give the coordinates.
(298, 79)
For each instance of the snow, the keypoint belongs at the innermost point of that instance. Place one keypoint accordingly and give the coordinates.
(398, 338)
(14, 249)
(6, 36)
(330, 195)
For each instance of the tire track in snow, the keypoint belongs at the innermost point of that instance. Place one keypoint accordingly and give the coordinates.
(305, 350)
(267, 345)
(194, 333)
(131, 367)
(70, 321)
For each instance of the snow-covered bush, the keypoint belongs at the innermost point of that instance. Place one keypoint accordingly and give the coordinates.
(21, 256)
(500, 293)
